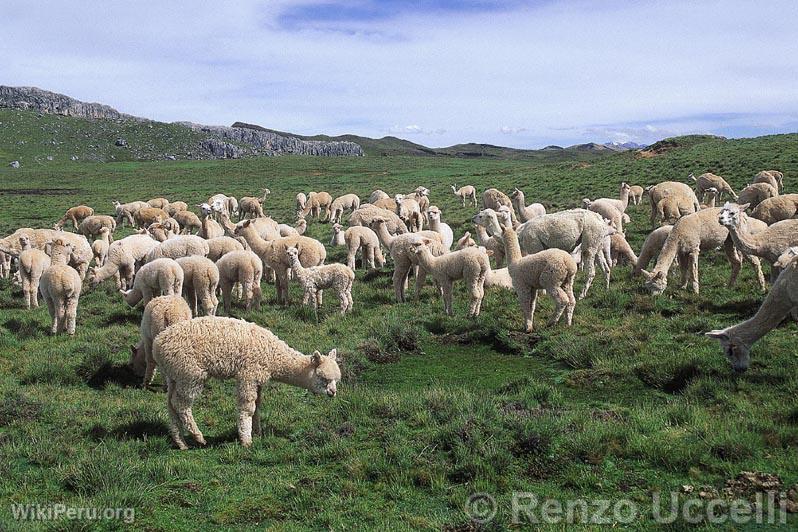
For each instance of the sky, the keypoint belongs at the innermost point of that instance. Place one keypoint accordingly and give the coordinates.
(524, 74)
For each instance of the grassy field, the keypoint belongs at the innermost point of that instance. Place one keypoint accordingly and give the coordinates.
(631, 400)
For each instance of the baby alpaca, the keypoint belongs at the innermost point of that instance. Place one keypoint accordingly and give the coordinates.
(76, 215)
(470, 264)
(341, 204)
(161, 277)
(316, 278)
(159, 314)
(60, 286)
(240, 267)
(200, 280)
(99, 247)
(32, 264)
(189, 352)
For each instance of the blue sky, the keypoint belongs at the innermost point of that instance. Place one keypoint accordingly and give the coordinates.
(515, 73)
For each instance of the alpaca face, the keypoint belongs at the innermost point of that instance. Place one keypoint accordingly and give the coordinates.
(326, 373)
(737, 352)
(729, 215)
(483, 217)
(657, 284)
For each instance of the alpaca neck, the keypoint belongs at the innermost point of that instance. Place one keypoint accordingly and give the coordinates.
(385, 237)
(426, 259)
(435, 224)
(772, 312)
(625, 197)
(494, 229)
(59, 256)
(263, 198)
(256, 243)
(229, 228)
(296, 267)
(519, 201)
(746, 242)
(512, 250)
(668, 253)
(294, 368)
(482, 235)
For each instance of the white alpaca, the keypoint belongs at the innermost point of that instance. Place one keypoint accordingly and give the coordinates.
(161, 277)
(526, 212)
(190, 352)
(435, 224)
(32, 264)
(242, 267)
(160, 313)
(318, 278)
(200, 280)
(60, 286)
(122, 258)
(361, 239)
(100, 247)
(341, 204)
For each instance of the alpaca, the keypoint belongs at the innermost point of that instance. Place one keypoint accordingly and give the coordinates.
(409, 211)
(221, 245)
(5, 265)
(782, 300)
(122, 258)
(552, 270)
(159, 203)
(266, 227)
(298, 229)
(467, 192)
(492, 243)
(240, 267)
(493, 199)
(469, 264)
(403, 257)
(100, 247)
(175, 207)
(161, 277)
(76, 215)
(377, 195)
(466, 241)
(160, 313)
(149, 215)
(621, 251)
(200, 280)
(562, 230)
(251, 207)
(179, 246)
(90, 227)
(32, 264)
(774, 210)
(636, 194)
(272, 253)
(620, 204)
(435, 224)
(300, 201)
(651, 248)
(60, 286)
(209, 227)
(189, 222)
(367, 213)
(126, 211)
(689, 236)
(389, 204)
(80, 255)
(223, 203)
(684, 195)
(317, 203)
(359, 238)
(526, 212)
(710, 195)
(607, 211)
(317, 278)
(671, 208)
(189, 352)
(772, 177)
(768, 244)
(709, 180)
(341, 204)
(756, 193)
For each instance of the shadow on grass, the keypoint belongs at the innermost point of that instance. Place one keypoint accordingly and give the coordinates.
(24, 328)
(140, 429)
(122, 318)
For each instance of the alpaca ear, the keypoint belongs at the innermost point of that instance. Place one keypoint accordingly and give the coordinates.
(744, 207)
(333, 354)
(718, 335)
(315, 359)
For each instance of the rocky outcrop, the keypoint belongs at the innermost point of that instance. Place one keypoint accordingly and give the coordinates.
(42, 101)
(213, 142)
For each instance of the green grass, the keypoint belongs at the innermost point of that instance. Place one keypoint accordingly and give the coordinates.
(630, 400)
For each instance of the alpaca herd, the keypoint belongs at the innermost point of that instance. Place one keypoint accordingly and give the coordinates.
(178, 264)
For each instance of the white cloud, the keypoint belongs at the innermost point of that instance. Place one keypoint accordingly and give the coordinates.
(626, 65)
(508, 130)
(414, 130)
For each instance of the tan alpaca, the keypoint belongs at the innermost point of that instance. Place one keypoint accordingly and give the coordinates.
(318, 278)
(76, 215)
(122, 258)
(467, 192)
(60, 287)
(161, 277)
(190, 352)
(200, 280)
(362, 239)
(756, 193)
(189, 222)
(526, 212)
(692, 234)
(243, 267)
(409, 211)
(772, 177)
(493, 199)
(221, 245)
(126, 211)
(469, 264)
(367, 213)
(160, 313)
(158, 203)
(774, 210)
(552, 270)
(175, 207)
(767, 244)
(782, 300)
(179, 246)
(342, 204)
(149, 215)
(316, 204)
(400, 248)
(709, 180)
(252, 207)
(651, 247)
(710, 196)
(80, 255)
(90, 227)
(209, 228)
(32, 264)
(685, 198)
(377, 195)
(636, 194)
(99, 247)
(272, 253)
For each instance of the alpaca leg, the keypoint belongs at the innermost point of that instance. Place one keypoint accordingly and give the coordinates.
(694, 271)
(588, 259)
(149, 372)
(605, 267)
(684, 267)
(256, 430)
(756, 263)
(60, 316)
(350, 258)
(447, 296)
(369, 253)
(421, 276)
(248, 294)
(343, 300)
(71, 314)
(735, 260)
(349, 297)
(174, 419)
(319, 298)
(247, 397)
(569, 290)
(525, 296)
(400, 274)
(227, 295)
(27, 292)
(561, 302)
(51, 310)
(182, 399)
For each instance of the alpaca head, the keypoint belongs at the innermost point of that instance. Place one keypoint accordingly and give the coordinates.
(266, 191)
(376, 222)
(625, 186)
(731, 214)
(137, 361)
(466, 241)
(656, 283)
(586, 202)
(785, 258)
(505, 216)
(738, 353)
(454, 188)
(92, 276)
(419, 245)
(24, 241)
(293, 254)
(434, 213)
(336, 228)
(325, 373)
(422, 191)
(486, 218)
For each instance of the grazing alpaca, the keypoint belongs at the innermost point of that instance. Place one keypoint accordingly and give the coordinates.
(782, 300)
(469, 264)
(466, 192)
(526, 212)
(768, 244)
(709, 180)
(553, 270)
(190, 352)
(317, 278)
